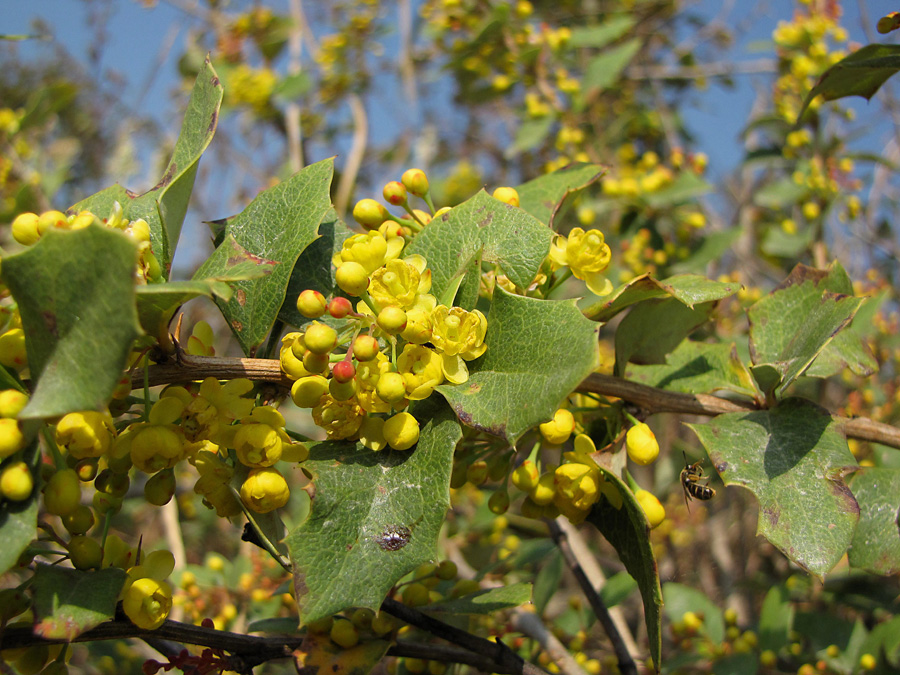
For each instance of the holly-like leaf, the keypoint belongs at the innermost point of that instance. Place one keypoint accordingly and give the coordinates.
(485, 601)
(627, 530)
(792, 325)
(68, 602)
(538, 352)
(860, 74)
(375, 516)
(75, 291)
(792, 458)
(500, 233)
(156, 303)
(272, 231)
(543, 196)
(314, 269)
(165, 205)
(689, 289)
(876, 543)
(696, 368)
(638, 338)
(319, 654)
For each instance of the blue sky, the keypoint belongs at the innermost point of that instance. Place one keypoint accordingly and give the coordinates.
(141, 45)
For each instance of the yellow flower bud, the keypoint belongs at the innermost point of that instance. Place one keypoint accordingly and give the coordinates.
(641, 444)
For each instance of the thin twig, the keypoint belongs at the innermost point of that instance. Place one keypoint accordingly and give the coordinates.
(701, 71)
(355, 156)
(597, 579)
(498, 652)
(627, 665)
(654, 400)
(292, 110)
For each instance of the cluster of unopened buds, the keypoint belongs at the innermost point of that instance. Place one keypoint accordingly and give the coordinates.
(395, 344)
(573, 486)
(28, 228)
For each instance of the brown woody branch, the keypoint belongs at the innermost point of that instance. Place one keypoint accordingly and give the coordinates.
(186, 368)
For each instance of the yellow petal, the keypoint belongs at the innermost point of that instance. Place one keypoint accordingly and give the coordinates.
(598, 284)
(455, 369)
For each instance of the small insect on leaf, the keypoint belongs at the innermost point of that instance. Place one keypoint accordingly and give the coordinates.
(691, 475)
(393, 537)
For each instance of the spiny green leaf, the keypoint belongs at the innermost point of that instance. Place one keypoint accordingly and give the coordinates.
(689, 289)
(68, 602)
(697, 367)
(792, 458)
(164, 205)
(627, 530)
(272, 232)
(502, 234)
(314, 269)
(526, 339)
(75, 291)
(860, 74)
(638, 338)
(543, 196)
(791, 326)
(361, 496)
(876, 543)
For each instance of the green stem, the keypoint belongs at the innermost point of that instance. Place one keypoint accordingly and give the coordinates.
(556, 284)
(58, 460)
(370, 303)
(263, 539)
(631, 482)
(274, 339)
(427, 198)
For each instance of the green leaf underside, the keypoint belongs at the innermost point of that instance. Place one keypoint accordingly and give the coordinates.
(791, 326)
(75, 291)
(486, 601)
(360, 495)
(689, 289)
(503, 234)
(156, 303)
(860, 74)
(543, 196)
(792, 458)
(679, 599)
(165, 205)
(697, 368)
(538, 346)
(314, 269)
(271, 232)
(627, 530)
(876, 543)
(638, 338)
(68, 602)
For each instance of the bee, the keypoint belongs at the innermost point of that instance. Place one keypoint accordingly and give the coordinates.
(691, 475)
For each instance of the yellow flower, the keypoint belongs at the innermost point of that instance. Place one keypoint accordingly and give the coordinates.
(578, 485)
(265, 490)
(339, 419)
(422, 370)
(587, 255)
(147, 603)
(459, 336)
(370, 249)
(85, 434)
(399, 282)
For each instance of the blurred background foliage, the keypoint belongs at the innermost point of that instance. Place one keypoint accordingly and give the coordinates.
(496, 92)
